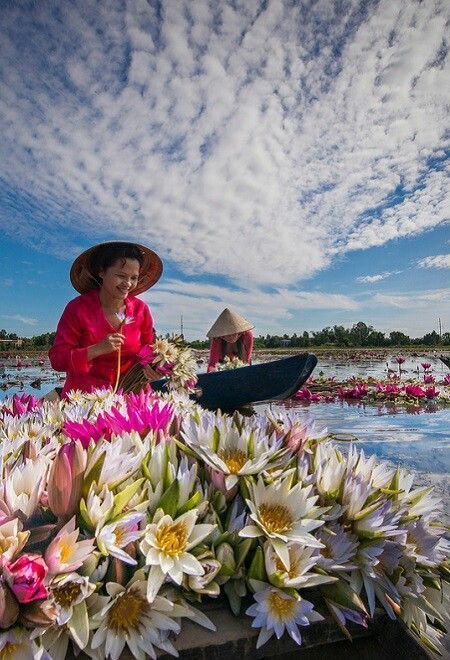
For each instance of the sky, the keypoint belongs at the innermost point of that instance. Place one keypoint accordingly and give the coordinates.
(287, 158)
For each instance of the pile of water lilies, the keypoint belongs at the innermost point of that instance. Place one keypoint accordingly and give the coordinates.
(121, 514)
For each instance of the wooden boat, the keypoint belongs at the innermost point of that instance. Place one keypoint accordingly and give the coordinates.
(269, 381)
(445, 360)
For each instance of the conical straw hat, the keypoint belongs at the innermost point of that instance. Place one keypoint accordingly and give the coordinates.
(84, 280)
(228, 323)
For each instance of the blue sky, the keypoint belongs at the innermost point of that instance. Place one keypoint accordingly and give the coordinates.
(289, 159)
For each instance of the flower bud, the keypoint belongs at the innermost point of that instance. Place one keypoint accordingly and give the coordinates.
(225, 555)
(65, 480)
(9, 607)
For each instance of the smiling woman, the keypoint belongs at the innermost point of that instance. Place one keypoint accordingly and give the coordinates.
(102, 330)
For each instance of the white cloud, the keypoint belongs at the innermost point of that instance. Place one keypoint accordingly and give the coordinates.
(26, 320)
(369, 279)
(6, 282)
(200, 304)
(438, 261)
(255, 142)
(416, 300)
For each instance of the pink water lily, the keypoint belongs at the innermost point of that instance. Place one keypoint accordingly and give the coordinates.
(425, 365)
(431, 393)
(20, 405)
(143, 413)
(26, 576)
(399, 359)
(428, 379)
(446, 380)
(415, 391)
(306, 395)
(357, 392)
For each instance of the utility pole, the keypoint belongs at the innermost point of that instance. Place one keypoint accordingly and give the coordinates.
(181, 327)
(440, 328)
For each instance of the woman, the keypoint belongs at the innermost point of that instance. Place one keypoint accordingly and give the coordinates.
(231, 336)
(105, 317)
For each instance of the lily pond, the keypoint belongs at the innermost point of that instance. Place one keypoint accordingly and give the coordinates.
(415, 436)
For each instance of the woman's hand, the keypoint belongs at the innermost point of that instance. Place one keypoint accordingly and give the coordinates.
(109, 344)
(150, 373)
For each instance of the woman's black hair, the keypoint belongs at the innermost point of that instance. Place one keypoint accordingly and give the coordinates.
(107, 255)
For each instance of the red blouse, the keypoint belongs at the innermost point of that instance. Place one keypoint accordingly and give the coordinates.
(83, 324)
(215, 349)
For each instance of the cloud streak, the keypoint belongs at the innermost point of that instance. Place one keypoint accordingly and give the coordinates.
(370, 279)
(437, 261)
(253, 140)
(26, 320)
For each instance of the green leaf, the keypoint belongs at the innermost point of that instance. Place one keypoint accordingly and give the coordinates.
(190, 504)
(169, 501)
(84, 514)
(215, 439)
(122, 498)
(257, 570)
(243, 550)
(94, 473)
(342, 594)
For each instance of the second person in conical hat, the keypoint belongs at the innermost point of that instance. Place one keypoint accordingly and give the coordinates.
(231, 336)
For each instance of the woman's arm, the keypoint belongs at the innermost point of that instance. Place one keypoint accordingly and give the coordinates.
(248, 346)
(147, 331)
(215, 353)
(66, 353)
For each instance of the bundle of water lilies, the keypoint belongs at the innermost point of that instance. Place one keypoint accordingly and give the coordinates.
(171, 358)
(120, 515)
(230, 363)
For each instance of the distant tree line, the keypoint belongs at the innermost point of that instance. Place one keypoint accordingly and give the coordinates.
(358, 336)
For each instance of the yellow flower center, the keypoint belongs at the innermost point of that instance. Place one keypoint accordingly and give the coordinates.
(171, 539)
(65, 552)
(127, 612)
(234, 459)
(10, 650)
(66, 595)
(118, 535)
(292, 572)
(275, 517)
(280, 607)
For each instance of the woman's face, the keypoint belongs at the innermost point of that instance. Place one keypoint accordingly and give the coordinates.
(121, 278)
(232, 338)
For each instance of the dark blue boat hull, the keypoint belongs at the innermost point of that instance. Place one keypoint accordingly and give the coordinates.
(269, 381)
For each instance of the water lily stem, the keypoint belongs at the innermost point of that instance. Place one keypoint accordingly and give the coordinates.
(119, 360)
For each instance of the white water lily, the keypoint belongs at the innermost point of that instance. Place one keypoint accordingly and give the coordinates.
(283, 514)
(166, 545)
(130, 620)
(24, 486)
(378, 520)
(378, 474)
(355, 493)
(16, 644)
(68, 592)
(330, 468)
(112, 538)
(12, 539)
(297, 575)
(426, 544)
(276, 611)
(120, 462)
(99, 505)
(339, 548)
(65, 553)
(230, 450)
